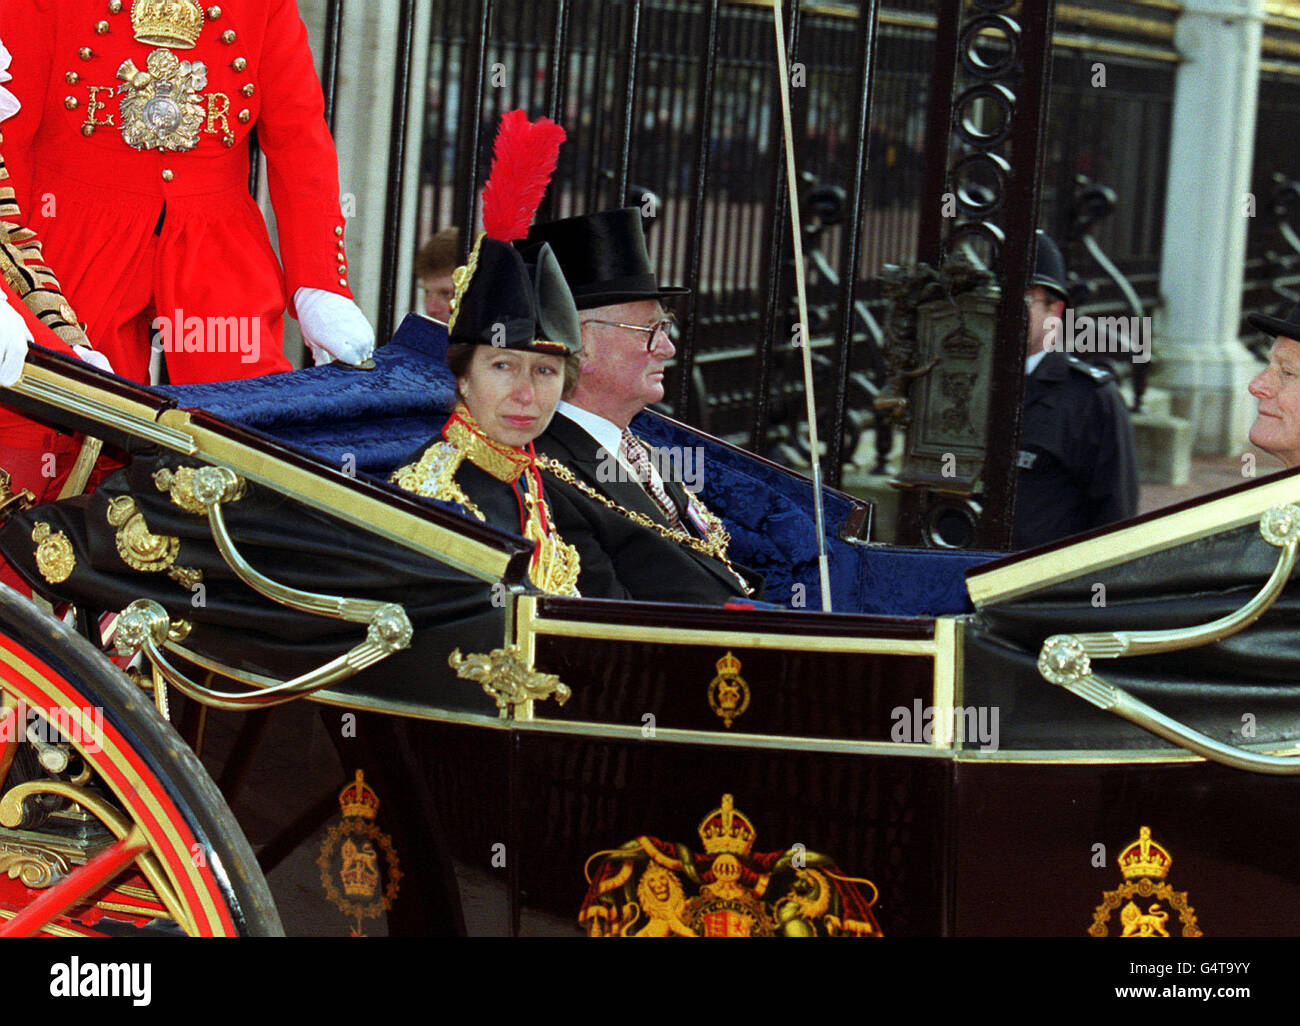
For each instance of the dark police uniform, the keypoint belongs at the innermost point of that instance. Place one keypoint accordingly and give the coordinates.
(1077, 461)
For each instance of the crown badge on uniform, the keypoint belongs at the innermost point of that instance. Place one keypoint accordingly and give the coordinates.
(728, 693)
(1145, 864)
(350, 854)
(175, 23)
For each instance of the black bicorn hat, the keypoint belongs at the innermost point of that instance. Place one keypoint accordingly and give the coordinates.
(501, 297)
(1275, 326)
(514, 303)
(604, 257)
(1049, 266)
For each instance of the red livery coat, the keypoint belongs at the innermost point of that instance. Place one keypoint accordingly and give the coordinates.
(136, 234)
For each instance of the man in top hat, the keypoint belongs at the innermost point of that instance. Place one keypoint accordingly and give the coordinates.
(639, 536)
(1277, 387)
(1077, 460)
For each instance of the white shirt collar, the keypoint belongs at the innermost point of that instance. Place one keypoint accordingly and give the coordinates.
(606, 432)
(1032, 362)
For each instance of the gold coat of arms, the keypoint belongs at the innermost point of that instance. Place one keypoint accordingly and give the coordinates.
(355, 879)
(1145, 900)
(162, 107)
(654, 888)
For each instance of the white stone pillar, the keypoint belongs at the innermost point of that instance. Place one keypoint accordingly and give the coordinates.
(1206, 216)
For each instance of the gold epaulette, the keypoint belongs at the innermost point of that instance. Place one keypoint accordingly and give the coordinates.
(433, 475)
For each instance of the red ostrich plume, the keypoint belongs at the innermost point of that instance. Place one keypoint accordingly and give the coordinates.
(523, 160)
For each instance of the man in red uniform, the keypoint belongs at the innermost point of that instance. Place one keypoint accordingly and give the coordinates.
(130, 158)
(34, 458)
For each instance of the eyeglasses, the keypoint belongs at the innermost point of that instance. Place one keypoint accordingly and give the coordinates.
(664, 325)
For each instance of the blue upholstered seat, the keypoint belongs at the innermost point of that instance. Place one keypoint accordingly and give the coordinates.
(370, 422)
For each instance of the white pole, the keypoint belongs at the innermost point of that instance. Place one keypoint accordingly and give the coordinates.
(814, 446)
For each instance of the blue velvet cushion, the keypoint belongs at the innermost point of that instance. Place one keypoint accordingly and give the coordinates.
(371, 422)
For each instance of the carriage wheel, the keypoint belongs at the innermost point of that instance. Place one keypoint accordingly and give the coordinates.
(109, 824)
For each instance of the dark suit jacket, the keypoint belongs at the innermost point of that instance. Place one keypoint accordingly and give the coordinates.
(620, 558)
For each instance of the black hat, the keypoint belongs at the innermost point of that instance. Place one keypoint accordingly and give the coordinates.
(1275, 326)
(1049, 266)
(503, 300)
(499, 296)
(604, 257)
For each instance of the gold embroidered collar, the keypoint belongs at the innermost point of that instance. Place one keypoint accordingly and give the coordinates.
(504, 462)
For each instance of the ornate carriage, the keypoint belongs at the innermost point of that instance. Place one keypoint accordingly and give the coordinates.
(1114, 718)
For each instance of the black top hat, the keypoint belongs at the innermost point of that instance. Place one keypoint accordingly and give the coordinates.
(1275, 326)
(503, 300)
(603, 256)
(1049, 266)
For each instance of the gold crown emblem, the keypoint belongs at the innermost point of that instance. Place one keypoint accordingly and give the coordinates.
(358, 799)
(728, 665)
(724, 830)
(167, 22)
(1144, 858)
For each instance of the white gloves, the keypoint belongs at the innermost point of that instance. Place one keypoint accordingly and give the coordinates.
(14, 336)
(333, 326)
(94, 358)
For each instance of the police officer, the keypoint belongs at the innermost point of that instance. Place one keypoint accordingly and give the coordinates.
(1077, 459)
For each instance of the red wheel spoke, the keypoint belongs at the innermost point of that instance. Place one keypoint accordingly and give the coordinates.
(74, 887)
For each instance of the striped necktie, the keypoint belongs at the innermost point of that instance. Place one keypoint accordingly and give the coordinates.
(634, 452)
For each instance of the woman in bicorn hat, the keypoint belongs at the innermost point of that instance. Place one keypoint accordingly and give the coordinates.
(513, 341)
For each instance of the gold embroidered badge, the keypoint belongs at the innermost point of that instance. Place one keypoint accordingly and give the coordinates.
(350, 858)
(54, 556)
(1145, 864)
(162, 108)
(728, 692)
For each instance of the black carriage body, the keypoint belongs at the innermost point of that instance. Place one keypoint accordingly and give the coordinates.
(910, 737)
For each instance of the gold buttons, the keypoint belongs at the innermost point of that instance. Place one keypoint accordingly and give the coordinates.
(228, 139)
(343, 281)
(248, 89)
(343, 269)
(72, 78)
(85, 53)
(245, 116)
(101, 27)
(167, 175)
(338, 231)
(114, 6)
(70, 102)
(239, 64)
(228, 36)
(214, 12)
(87, 130)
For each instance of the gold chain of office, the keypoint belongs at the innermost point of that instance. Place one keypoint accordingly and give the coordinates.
(714, 545)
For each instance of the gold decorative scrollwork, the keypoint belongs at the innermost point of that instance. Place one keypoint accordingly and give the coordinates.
(33, 865)
(12, 502)
(179, 484)
(509, 680)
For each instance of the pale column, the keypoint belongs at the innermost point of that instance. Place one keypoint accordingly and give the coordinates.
(1207, 211)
